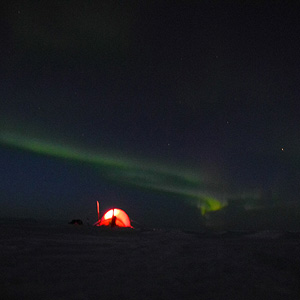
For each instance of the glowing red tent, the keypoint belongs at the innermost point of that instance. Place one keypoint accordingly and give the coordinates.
(114, 217)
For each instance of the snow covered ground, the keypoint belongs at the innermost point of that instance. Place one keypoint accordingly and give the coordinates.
(40, 261)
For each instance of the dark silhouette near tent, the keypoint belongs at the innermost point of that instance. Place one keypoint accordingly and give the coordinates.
(113, 221)
(76, 222)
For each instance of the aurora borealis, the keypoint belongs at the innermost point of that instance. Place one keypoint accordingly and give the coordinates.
(170, 110)
(188, 187)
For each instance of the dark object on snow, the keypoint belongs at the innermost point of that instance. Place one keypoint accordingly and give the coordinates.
(76, 222)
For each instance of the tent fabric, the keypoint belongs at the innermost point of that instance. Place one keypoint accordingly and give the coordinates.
(120, 216)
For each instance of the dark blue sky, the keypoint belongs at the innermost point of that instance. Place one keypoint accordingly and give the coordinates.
(208, 86)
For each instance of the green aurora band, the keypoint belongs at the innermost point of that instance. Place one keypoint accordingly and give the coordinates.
(156, 179)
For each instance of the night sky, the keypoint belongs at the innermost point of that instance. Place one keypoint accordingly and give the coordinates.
(164, 109)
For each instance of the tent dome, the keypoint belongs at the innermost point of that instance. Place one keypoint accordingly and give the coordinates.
(116, 215)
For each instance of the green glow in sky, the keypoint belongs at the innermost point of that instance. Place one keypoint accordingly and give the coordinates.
(142, 175)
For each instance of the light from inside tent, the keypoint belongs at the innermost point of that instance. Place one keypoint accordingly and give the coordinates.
(110, 213)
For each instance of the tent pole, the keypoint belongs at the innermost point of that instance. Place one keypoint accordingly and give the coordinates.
(98, 211)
